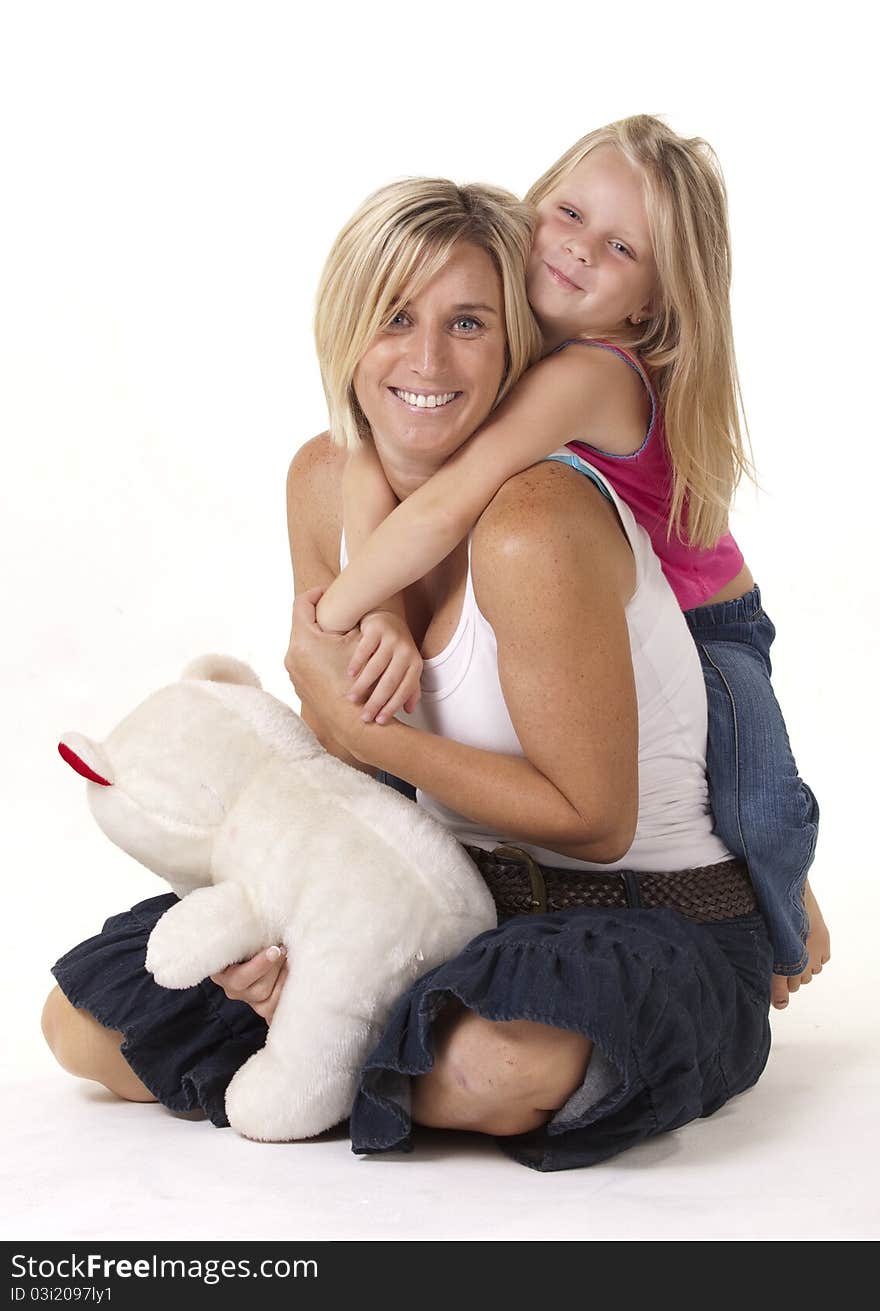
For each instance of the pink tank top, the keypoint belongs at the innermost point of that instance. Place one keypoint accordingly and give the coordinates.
(644, 481)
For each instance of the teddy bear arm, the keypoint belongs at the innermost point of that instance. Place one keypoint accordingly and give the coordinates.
(206, 931)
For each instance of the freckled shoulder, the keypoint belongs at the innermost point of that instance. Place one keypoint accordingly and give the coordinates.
(314, 498)
(542, 497)
(548, 513)
(317, 464)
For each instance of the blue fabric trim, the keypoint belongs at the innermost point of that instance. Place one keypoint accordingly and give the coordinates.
(582, 467)
(636, 368)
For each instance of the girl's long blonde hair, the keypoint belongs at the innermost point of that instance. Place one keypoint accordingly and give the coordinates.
(687, 343)
(392, 246)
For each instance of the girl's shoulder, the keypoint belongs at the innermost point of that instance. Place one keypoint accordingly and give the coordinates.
(622, 399)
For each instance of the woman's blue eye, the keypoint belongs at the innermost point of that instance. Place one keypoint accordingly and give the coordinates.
(467, 319)
(395, 323)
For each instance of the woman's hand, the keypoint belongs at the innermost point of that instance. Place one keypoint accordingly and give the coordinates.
(318, 663)
(258, 981)
(387, 661)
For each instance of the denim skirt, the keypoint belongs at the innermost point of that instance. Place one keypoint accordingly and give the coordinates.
(183, 1044)
(677, 1012)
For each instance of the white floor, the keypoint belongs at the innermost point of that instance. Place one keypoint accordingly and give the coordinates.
(795, 1158)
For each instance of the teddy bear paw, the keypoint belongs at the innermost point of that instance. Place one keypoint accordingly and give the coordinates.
(169, 957)
(272, 1101)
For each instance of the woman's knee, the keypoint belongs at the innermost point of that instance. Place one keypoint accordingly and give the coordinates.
(58, 1025)
(87, 1049)
(498, 1077)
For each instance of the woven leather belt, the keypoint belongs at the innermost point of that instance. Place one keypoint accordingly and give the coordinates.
(520, 886)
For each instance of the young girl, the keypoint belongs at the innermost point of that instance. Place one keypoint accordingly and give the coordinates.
(629, 280)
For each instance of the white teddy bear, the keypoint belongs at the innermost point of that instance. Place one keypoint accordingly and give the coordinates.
(223, 791)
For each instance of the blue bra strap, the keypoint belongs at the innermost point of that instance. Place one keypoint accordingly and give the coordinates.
(584, 468)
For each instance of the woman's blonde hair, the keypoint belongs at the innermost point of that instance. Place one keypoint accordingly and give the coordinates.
(397, 241)
(687, 342)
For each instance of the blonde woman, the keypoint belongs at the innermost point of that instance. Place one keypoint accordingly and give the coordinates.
(631, 259)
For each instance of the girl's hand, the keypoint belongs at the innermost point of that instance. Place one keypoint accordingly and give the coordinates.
(258, 981)
(387, 660)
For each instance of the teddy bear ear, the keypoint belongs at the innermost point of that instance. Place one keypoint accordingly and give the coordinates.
(221, 669)
(87, 758)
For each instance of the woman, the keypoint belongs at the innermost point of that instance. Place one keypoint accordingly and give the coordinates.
(563, 710)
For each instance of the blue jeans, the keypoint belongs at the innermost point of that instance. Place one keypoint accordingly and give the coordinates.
(764, 813)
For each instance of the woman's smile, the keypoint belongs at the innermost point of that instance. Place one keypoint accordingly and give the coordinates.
(424, 402)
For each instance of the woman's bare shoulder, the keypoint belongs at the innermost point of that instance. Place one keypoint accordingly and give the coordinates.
(314, 502)
(544, 501)
(316, 465)
(549, 516)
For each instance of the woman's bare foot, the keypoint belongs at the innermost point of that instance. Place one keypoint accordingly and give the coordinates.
(819, 947)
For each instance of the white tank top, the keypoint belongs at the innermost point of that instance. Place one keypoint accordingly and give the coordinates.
(462, 700)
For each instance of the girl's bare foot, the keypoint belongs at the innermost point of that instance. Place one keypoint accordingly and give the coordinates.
(819, 947)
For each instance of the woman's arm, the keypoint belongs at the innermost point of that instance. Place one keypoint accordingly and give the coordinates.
(559, 399)
(314, 527)
(552, 573)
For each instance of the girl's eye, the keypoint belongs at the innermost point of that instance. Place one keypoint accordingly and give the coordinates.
(569, 213)
(624, 250)
(467, 324)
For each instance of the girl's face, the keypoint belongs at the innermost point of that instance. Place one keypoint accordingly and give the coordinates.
(591, 266)
(431, 377)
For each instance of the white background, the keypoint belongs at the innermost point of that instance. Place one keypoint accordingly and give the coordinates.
(173, 176)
